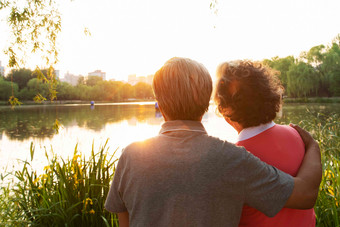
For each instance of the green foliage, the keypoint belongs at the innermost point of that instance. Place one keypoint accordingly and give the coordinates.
(282, 65)
(68, 192)
(127, 91)
(301, 80)
(20, 77)
(66, 91)
(57, 126)
(38, 87)
(327, 132)
(314, 55)
(39, 98)
(14, 101)
(315, 73)
(6, 89)
(143, 90)
(93, 80)
(34, 26)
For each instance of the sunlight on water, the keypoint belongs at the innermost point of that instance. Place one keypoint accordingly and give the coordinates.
(84, 125)
(120, 124)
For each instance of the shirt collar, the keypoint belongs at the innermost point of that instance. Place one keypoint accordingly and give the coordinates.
(182, 125)
(253, 131)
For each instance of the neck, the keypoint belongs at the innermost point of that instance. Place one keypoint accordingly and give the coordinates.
(235, 125)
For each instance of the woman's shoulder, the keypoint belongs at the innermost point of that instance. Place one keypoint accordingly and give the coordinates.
(286, 129)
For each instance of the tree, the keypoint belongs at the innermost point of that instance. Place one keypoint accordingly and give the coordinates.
(6, 89)
(20, 76)
(301, 80)
(81, 80)
(34, 26)
(127, 91)
(93, 80)
(315, 55)
(65, 91)
(330, 69)
(143, 90)
(326, 61)
(282, 65)
(38, 86)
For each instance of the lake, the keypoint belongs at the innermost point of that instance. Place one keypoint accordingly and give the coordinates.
(119, 123)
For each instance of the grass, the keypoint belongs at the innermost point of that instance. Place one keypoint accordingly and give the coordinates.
(69, 192)
(72, 192)
(313, 100)
(327, 133)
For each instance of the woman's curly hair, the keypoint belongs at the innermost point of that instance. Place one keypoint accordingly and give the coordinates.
(248, 93)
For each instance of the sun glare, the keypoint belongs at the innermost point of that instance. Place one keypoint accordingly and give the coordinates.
(137, 37)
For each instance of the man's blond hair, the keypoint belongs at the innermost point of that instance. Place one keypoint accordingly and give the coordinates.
(183, 89)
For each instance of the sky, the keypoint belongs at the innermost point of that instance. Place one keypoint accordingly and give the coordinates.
(138, 36)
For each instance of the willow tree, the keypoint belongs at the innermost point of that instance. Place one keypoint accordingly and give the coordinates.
(330, 68)
(282, 65)
(301, 80)
(326, 61)
(34, 26)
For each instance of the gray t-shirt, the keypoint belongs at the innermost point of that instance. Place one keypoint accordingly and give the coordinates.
(183, 177)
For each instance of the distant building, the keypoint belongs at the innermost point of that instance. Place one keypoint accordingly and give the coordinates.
(71, 79)
(133, 79)
(57, 73)
(2, 70)
(98, 73)
(149, 79)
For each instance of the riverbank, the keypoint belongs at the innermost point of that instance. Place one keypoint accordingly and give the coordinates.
(312, 100)
(72, 191)
(63, 102)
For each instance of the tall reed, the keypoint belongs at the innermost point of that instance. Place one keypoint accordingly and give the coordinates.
(326, 130)
(69, 192)
(72, 192)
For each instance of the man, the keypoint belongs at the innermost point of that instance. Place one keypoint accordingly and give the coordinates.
(183, 177)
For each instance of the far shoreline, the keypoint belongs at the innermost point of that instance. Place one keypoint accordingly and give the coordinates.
(152, 101)
(312, 100)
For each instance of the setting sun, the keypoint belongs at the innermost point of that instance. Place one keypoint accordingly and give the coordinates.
(136, 37)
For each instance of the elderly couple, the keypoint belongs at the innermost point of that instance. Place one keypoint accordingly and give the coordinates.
(184, 177)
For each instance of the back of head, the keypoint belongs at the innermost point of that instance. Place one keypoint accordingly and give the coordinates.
(247, 93)
(183, 89)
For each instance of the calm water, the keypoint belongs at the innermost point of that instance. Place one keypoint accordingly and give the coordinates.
(120, 124)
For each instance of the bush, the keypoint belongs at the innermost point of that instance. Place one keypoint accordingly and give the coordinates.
(6, 88)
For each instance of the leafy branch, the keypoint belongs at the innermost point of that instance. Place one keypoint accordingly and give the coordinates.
(34, 27)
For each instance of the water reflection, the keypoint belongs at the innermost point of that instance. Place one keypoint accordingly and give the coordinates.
(121, 124)
(37, 121)
(296, 113)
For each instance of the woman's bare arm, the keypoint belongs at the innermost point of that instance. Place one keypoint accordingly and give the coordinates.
(123, 218)
(307, 181)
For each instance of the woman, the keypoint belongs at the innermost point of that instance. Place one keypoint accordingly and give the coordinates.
(248, 96)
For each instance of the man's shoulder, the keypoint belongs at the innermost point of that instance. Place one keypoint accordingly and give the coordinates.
(224, 147)
(141, 145)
